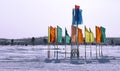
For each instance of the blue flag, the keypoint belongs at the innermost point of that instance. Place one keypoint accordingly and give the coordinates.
(77, 17)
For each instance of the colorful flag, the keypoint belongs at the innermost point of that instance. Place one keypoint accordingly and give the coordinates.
(48, 34)
(59, 34)
(87, 35)
(103, 35)
(67, 37)
(55, 34)
(91, 36)
(52, 34)
(73, 17)
(80, 36)
(77, 6)
(98, 35)
(77, 16)
(73, 33)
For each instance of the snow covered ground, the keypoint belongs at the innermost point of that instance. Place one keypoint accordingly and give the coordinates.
(34, 58)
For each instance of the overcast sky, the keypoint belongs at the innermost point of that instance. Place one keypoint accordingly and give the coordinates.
(28, 18)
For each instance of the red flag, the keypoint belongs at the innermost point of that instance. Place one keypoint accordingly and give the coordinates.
(77, 6)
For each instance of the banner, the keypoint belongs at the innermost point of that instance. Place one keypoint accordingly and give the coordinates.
(103, 36)
(98, 35)
(59, 34)
(67, 37)
(80, 36)
(91, 36)
(73, 33)
(87, 35)
(52, 34)
(77, 16)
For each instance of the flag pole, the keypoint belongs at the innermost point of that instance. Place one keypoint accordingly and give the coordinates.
(99, 50)
(48, 51)
(57, 50)
(96, 51)
(90, 51)
(65, 50)
(77, 40)
(65, 42)
(85, 42)
(54, 50)
(55, 42)
(85, 51)
(71, 51)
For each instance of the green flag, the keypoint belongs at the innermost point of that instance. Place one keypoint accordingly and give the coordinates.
(103, 38)
(59, 34)
(67, 37)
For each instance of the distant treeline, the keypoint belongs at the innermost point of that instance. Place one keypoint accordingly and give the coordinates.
(44, 41)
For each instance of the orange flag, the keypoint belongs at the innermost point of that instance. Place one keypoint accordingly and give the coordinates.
(55, 33)
(73, 33)
(98, 35)
(80, 36)
(52, 34)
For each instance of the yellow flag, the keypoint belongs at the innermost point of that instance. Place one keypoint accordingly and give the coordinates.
(48, 34)
(80, 36)
(91, 36)
(87, 35)
(73, 33)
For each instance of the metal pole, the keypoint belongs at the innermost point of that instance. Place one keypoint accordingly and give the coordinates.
(54, 51)
(90, 51)
(65, 51)
(71, 51)
(77, 41)
(48, 51)
(57, 51)
(101, 51)
(96, 51)
(85, 45)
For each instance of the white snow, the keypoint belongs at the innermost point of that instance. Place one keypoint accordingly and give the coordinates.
(34, 58)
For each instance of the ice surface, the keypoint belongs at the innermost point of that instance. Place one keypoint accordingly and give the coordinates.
(34, 58)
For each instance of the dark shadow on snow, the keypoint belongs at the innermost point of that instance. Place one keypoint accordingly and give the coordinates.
(104, 59)
(48, 60)
(52, 60)
(77, 61)
(88, 61)
(57, 61)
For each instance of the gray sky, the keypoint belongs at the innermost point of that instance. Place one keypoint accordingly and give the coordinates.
(28, 18)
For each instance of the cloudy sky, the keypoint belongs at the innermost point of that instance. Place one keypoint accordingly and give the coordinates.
(28, 18)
